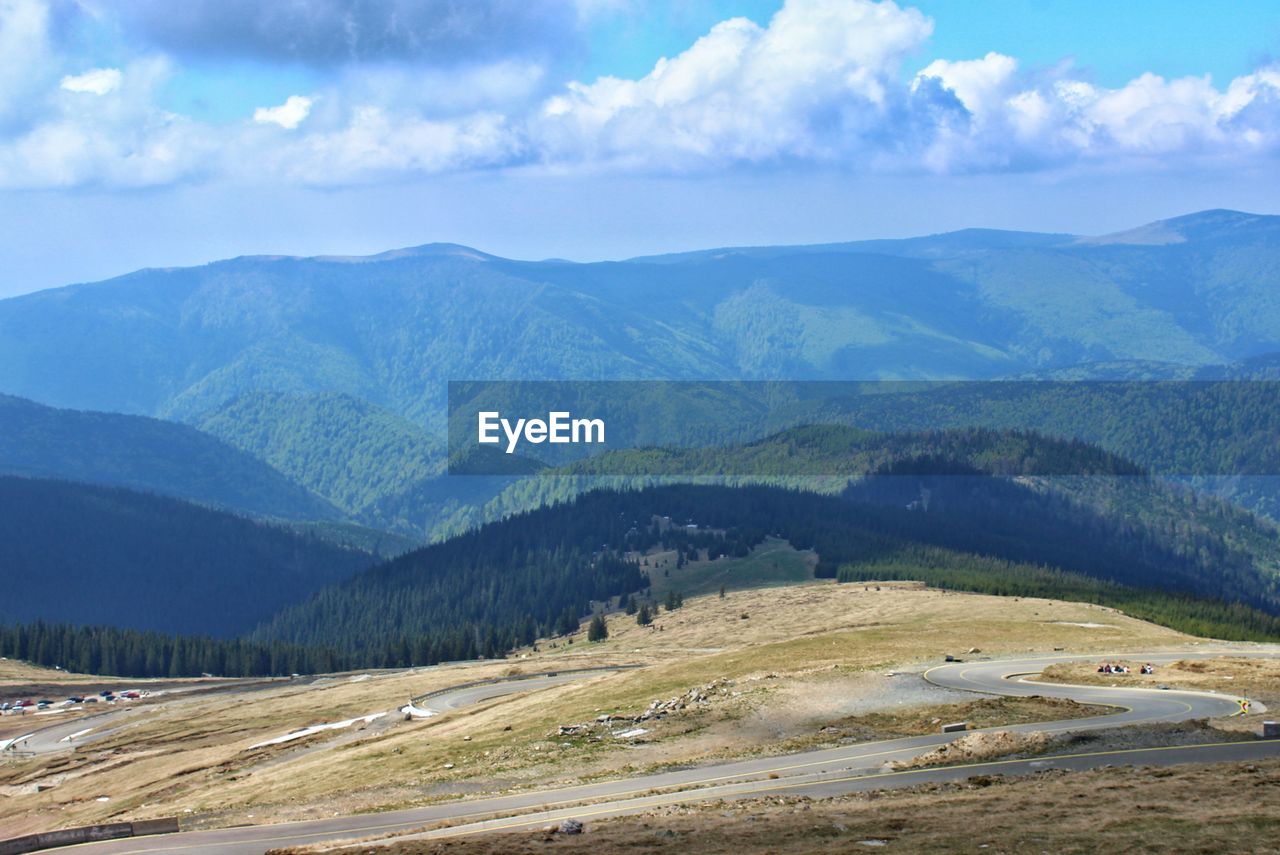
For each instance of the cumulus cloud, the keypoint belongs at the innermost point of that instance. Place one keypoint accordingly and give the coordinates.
(98, 81)
(816, 80)
(288, 115)
(25, 58)
(831, 83)
(333, 32)
(374, 144)
(980, 84)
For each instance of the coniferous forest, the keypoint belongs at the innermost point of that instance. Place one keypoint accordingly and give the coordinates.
(931, 514)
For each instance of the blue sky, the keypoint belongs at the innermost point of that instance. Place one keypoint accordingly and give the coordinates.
(148, 133)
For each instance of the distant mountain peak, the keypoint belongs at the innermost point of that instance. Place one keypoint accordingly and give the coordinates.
(425, 250)
(1202, 225)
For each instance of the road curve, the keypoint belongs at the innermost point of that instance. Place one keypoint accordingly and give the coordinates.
(486, 690)
(1135, 705)
(817, 773)
(69, 733)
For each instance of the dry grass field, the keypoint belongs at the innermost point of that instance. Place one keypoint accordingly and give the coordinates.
(1192, 809)
(803, 658)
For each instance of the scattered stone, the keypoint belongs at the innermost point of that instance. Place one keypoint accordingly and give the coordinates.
(977, 747)
(692, 699)
(570, 826)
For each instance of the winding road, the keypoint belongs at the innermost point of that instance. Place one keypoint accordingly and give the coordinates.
(82, 727)
(825, 772)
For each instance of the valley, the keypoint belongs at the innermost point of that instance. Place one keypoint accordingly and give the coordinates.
(749, 427)
(754, 590)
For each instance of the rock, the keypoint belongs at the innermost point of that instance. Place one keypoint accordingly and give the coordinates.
(973, 650)
(570, 826)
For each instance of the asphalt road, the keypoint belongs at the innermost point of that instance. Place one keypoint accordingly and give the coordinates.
(80, 727)
(465, 696)
(816, 773)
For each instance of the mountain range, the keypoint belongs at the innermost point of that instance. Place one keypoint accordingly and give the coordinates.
(316, 386)
(262, 431)
(391, 329)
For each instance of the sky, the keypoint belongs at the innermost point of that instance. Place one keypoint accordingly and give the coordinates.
(147, 133)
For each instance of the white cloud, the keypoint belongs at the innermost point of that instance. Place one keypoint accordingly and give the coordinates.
(376, 144)
(288, 115)
(980, 84)
(815, 81)
(25, 57)
(825, 82)
(98, 81)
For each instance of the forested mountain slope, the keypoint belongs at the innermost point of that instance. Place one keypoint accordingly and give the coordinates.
(86, 554)
(147, 454)
(508, 581)
(345, 449)
(392, 329)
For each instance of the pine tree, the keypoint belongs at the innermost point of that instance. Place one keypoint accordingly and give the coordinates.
(569, 622)
(598, 630)
(644, 617)
(631, 604)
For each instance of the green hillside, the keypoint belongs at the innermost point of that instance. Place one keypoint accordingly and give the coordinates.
(393, 329)
(147, 454)
(337, 446)
(504, 584)
(90, 555)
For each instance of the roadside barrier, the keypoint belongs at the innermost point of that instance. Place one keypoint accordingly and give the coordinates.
(87, 834)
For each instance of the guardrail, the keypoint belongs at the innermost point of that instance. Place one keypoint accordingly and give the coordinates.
(415, 700)
(87, 834)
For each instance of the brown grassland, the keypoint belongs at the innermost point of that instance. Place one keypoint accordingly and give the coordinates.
(1192, 809)
(804, 658)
